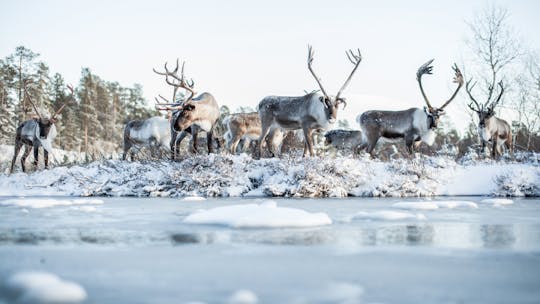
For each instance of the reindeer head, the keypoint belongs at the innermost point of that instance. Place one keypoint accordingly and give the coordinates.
(45, 123)
(487, 110)
(435, 113)
(331, 102)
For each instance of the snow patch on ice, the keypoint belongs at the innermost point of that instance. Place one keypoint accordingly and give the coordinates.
(432, 205)
(193, 198)
(265, 215)
(42, 287)
(386, 215)
(48, 202)
(243, 296)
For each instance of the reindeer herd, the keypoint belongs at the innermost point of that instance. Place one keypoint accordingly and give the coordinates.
(276, 115)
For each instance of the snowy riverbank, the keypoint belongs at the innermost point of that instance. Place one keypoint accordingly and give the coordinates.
(226, 175)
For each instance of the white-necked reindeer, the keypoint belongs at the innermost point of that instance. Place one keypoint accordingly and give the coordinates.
(415, 125)
(153, 132)
(36, 132)
(193, 114)
(310, 112)
(490, 128)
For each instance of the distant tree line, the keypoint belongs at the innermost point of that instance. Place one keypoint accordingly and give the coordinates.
(91, 122)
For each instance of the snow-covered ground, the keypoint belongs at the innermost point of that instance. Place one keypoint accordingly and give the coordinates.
(226, 175)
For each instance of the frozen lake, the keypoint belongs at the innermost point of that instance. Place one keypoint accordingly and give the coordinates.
(131, 250)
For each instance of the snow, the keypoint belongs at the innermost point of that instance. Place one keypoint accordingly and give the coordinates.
(265, 215)
(218, 175)
(432, 205)
(193, 198)
(47, 202)
(497, 201)
(243, 296)
(42, 287)
(387, 215)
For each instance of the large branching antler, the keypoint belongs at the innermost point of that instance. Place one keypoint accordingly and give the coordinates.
(310, 61)
(468, 88)
(182, 82)
(426, 68)
(458, 78)
(26, 82)
(355, 59)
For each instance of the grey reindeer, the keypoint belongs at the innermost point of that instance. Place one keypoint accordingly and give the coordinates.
(415, 125)
(34, 133)
(310, 112)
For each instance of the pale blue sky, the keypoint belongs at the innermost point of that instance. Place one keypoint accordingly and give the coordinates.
(241, 51)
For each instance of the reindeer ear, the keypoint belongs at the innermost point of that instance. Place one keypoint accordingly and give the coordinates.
(322, 99)
(189, 107)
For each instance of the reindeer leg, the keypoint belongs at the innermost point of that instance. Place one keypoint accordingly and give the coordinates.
(210, 141)
(262, 138)
(18, 146)
(36, 155)
(494, 148)
(24, 156)
(409, 143)
(46, 158)
(234, 143)
(308, 141)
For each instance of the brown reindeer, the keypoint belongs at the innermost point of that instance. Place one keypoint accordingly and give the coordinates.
(247, 127)
(490, 128)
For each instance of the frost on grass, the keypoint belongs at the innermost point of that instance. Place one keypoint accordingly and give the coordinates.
(41, 287)
(265, 215)
(227, 175)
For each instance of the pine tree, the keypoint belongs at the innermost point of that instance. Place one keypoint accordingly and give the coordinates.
(23, 61)
(8, 119)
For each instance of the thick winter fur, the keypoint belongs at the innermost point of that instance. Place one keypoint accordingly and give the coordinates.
(343, 139)
(309, 113)
(200, 113)
(413, 125)
(38, 132)
(495, 131)
(153, 132)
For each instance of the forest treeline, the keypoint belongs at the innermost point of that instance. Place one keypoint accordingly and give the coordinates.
(92, 121)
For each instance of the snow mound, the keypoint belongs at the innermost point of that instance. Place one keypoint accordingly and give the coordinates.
(265, 215)
(497, 201)
(42, 287)
(243, 296)
(47, 202)
(387, 215)
(432, 205)
(193, 198)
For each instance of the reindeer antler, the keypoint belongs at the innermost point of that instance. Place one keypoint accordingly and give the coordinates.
(355, 59)
(468, 88)
(310, 61)
(426, 68)
(182, 82)
(458, 78)
(27, 95)
(70, 88)
(496, 102)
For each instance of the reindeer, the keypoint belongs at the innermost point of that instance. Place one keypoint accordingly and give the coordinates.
(37, 132)
(310, 112)
(247, 127)
(153, 132)
(415, 125)
(177, 137)
(490, 128)
(343, 139)
(192, 115)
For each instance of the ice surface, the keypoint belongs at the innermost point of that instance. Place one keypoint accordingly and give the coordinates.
(497, 201)
(42, 287)
(432, 205)
(48, 202)
(387, 215)
(193, 198)
(265, 215)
